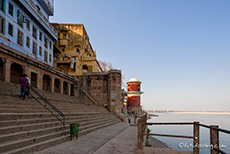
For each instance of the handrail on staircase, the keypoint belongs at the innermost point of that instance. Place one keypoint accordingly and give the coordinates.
(50, 105)
(90, 97)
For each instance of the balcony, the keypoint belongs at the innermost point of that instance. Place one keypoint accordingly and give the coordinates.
(63, 42)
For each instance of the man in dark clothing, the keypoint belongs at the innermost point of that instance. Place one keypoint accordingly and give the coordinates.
(23, 82)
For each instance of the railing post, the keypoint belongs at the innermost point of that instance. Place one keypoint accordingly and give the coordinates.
(63, 126)
(140, 136)
(196, 138)
(214, 139)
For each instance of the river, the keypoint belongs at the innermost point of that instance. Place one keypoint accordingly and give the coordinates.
(223, 120)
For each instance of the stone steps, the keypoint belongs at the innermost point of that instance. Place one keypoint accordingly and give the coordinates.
(77, 118)
(32, 133)
(27, 127)
(52, 142)
(54, 134)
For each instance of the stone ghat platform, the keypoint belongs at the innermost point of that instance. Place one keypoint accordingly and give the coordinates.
(119, 138)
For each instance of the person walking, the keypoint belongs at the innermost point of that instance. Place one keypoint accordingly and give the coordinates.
(27, 86)
(23, 82)
(129, 119)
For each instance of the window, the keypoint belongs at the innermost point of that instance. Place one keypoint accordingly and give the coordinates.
(38, 7)
(40, 51)
(10, 29)
(64, 36)
(35, 48)
(34, 32)
(90, 68)
(2, 5)
(20, 18)
(40, 36)
(28, 42)
(50, 45)
(28, 24)
(2, 25)
(46, 42)
(11, 9)
(50, 59)
(20, 38)
(45, 56)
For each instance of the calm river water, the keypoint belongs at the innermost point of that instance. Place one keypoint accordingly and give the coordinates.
(223, 120)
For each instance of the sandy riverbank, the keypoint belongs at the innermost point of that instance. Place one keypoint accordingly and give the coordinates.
(155, 143)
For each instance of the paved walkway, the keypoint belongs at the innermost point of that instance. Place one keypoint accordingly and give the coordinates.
(96, 141)
(123, 143)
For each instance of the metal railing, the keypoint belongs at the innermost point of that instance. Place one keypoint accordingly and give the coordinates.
(214, 134)
(46, 104)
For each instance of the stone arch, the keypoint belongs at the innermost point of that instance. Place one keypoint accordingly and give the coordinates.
(72, 90)
(1, 70)
(56, 85)
(65, 88)
(16, 72)
(46, 82)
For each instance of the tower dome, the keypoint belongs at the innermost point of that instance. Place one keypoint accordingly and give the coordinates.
(134, 80)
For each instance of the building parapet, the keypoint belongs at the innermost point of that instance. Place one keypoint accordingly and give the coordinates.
(49, 4)
(102, 73)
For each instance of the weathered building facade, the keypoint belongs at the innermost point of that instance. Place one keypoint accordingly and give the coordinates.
(73, 52)
(26, 46)
(25, 27)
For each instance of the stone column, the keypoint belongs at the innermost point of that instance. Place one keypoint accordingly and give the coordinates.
(29, 75)
(40, 80)
(6, 69)
(69, 89)
(61, 86)
(25, 69)
(52, 83)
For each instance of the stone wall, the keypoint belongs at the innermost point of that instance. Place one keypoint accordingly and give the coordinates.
(104, 87)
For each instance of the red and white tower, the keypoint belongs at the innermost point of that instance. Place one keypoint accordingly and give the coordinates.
(134, 95)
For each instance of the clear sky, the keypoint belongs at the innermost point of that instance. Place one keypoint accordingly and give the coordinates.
(179, 49)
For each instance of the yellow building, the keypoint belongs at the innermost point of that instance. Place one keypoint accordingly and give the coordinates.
(73, 52)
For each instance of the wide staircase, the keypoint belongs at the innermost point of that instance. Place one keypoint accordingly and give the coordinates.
(26, 126)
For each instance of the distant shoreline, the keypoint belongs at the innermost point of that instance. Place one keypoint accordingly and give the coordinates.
(202, 112)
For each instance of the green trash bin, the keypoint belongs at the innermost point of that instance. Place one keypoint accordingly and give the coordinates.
(74, 129)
